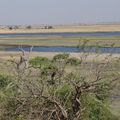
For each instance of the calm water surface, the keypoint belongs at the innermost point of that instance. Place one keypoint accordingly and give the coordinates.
(70, 49)
(67, 49)
(63, 34)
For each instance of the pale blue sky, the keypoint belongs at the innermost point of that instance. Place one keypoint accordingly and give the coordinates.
(58, 11)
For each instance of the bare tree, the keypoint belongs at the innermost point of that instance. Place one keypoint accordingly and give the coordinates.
(24, 59)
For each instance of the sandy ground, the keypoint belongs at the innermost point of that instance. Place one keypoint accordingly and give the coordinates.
(81, 28)
(87, 57)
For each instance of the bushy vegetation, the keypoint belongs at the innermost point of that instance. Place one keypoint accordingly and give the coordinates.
(73, 61)
(39, 62)
(4, 81)
(45, 90)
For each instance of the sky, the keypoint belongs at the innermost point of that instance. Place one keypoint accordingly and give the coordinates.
(22, 12)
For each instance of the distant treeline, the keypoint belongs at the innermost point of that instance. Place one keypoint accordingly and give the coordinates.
(26, 27)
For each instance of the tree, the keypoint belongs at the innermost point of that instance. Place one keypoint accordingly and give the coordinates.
(29, 27)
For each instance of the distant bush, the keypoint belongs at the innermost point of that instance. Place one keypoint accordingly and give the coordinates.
(10, 28)
(39, 62)
(73, 61)
(16, 27)
(29, 27)
(48, 27)
(60, 57)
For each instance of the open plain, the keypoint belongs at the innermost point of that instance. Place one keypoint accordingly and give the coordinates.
(90, 59)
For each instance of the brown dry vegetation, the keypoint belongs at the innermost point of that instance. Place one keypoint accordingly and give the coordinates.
(90, 56)
(81, 28)
(42, 95)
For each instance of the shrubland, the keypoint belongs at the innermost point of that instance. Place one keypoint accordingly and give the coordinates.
(46, 90)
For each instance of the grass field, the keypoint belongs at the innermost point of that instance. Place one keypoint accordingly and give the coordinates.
(61, 41)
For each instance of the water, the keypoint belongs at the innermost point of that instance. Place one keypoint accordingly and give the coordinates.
(62, 34)
(70, 49)
(66, 49)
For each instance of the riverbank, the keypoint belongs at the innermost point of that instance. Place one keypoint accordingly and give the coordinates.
(65, 28)
(89, 57)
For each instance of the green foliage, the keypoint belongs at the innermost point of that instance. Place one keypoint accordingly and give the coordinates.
(64, 92)
(7, 88)
(95, 109)
(73, 61)
(20, 117)
(54, 93)
(4, 81)
(49, 69)
(10, 107)
(103, 91)
(60, 57)
(40, 62)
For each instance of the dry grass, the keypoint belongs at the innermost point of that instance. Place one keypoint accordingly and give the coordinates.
(90, 56)
(81, 28)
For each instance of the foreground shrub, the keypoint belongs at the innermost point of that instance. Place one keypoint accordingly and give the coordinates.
(95, 109)
(56, 94)
(4, 81)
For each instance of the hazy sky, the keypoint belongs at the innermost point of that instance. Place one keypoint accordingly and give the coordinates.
(58, 11)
